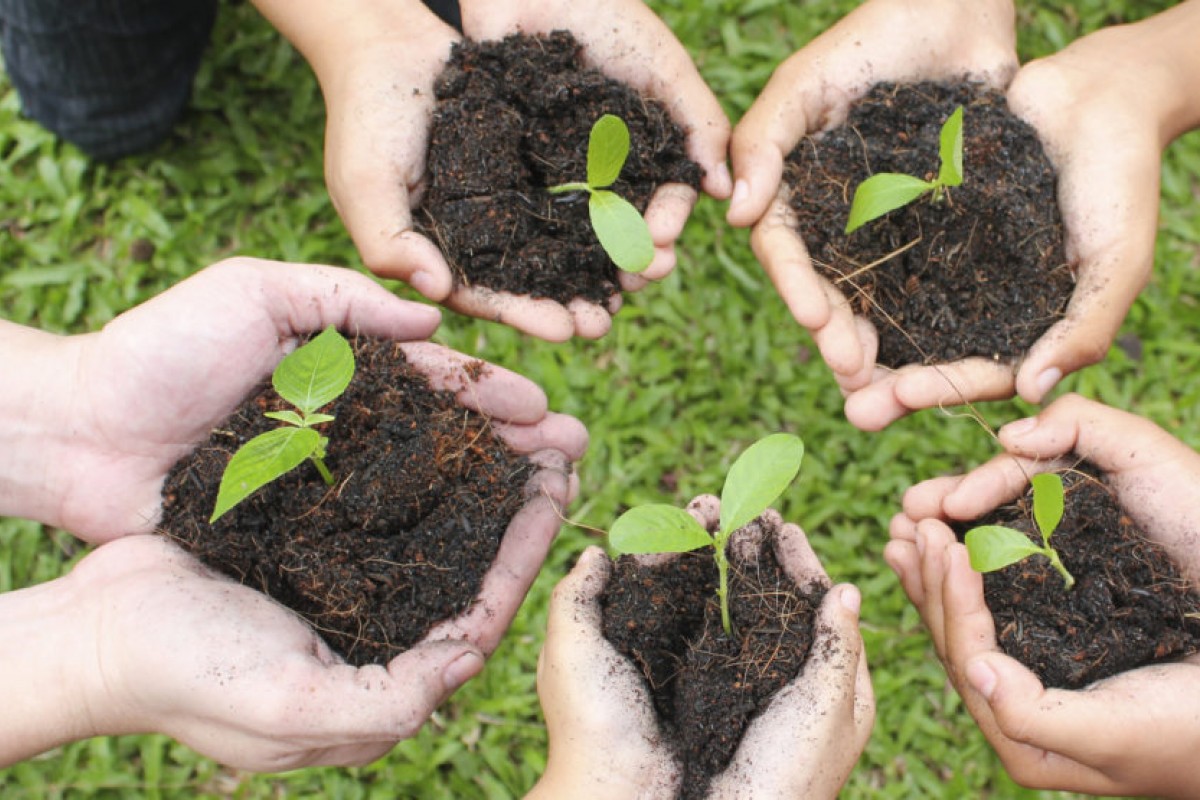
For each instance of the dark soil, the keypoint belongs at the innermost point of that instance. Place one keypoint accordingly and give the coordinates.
(1130, 605)
(513, 118)
(706, 686)
(985, 271)
(425, 493)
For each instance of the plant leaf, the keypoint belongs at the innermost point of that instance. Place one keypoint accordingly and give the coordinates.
(1047, 502)
(657, 528)
(881, 193)
(951, 150)
(287, 415)
(608, 147)
(758, 477)
(622, 231)
(992, 547)
(260, 461)
(315, 373)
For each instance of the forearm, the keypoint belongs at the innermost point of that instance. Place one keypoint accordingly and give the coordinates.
(1172, 39)
(35, 422)
(44, 703)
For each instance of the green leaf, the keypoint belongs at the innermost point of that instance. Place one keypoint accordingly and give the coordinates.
(260, 461)
(951, 150)
(1047, 502)
(992, 547)
(608, 147)
(317, 419)
(622, 231)
(881, 193)
(657, 528)
(758, 477)
(315, 373)
(288, 416)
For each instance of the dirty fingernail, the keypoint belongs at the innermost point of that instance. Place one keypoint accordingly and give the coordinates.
(461, 670)
(1048, 380)
(982, 678)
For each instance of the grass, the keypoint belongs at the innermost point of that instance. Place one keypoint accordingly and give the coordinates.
(694, 370)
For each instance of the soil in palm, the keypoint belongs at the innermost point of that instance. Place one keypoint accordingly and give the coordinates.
(983, 272)
(513, 117)
(1130, 606)
(706, 686)
(424, 492)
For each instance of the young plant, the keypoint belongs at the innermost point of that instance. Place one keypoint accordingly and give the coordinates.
(993, 547)
(310, 377)
(619, 226)
(887, 191)
(756, 479)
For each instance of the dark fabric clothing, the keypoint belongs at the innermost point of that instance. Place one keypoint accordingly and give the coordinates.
(113, 76)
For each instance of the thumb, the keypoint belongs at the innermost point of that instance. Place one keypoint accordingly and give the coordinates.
(432, 671)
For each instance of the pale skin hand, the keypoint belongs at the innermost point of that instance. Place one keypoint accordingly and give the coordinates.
(1135, 733)
(140, 637)
(377, 63)
(105, 415)
(1104, 111)
(599, 713)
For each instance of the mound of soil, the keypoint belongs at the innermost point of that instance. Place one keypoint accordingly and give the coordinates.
(981, 273)
(423, 495)
(707, 686)
(513, 118)
(1130, 605)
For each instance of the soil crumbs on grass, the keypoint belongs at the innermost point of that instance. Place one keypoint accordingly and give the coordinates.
(513, 117)
(423, 495)
(982, 273)
(1130, 605)
(707, 687)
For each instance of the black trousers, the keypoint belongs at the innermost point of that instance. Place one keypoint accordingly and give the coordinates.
(113, 76)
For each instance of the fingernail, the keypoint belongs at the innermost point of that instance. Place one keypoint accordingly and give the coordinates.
(721, 175)
(982, 678)
(1048, 380)
(1020, 427)
(424, 283)
(741, 190)
(851, 599)
(461, 670)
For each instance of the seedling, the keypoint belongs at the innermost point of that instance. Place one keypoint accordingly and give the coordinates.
(993, 547)
(756, 479)
(310, 377)
(619, 226)
(887, 191)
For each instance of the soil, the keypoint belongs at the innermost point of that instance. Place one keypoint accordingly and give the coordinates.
(1130, 605)
(983, 272)
(706, 686)
(423, 497)
(513, 117)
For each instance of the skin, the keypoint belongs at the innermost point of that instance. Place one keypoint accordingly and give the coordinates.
(1104, 108)
(1133, 734)
(377, 62)
(139, 637)
(599, 713)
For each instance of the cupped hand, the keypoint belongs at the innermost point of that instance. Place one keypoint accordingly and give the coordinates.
(1134, 733)
(173, 648)
(590, 694)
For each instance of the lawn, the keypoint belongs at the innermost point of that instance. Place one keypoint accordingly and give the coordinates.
(694, 369)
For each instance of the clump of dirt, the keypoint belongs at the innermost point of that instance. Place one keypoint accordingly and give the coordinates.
(706, 686)
(983, 272)
(513, 117)
(1130, 605)
(423, 496)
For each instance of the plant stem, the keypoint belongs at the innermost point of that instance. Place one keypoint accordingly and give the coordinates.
(563, 188)
(723, 588)
(326, 475)
(1056, 562)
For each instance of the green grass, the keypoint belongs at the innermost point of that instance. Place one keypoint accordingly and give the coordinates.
(694, 370)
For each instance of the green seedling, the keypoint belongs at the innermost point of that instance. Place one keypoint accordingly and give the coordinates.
(619, 226)
(993, 547)
(756, 479)
(887, 191)
(309, 378)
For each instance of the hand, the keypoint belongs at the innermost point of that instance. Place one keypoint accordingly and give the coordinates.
(599, 713)
(1134, 733)
(140, 637)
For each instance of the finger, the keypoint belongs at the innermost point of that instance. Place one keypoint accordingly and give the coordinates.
(560, 432)
(540, 317)
(667, 213)
(926, 499)
(905, 560)
(796, 555)
(706, 509)
(933, 539)
(591, 320)
(999, 481)
(486, 388)
(945, 385)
